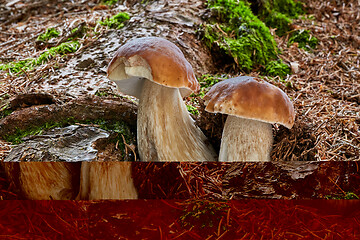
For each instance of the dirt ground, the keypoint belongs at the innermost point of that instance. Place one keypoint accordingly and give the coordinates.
(327, 87)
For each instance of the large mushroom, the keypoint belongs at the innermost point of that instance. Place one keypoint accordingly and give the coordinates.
(106, 180)
(44, 180)
(156, 72)
(252, 107)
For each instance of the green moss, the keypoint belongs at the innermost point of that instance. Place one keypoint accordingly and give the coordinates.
(103, 93)
(277, 68)
(239, 33)
(5, 109)
(5, 112)
(17, 137)
(348, 195)
(109, 2)
(277, 14)
(62, 49)
(304, 39)
(279, 21)
(49, 33)
(203, 214)
(16, 67)
(193, 110)
(120, 128)
(116, 21)
(29, 64)
(290, 8)
(206, 82)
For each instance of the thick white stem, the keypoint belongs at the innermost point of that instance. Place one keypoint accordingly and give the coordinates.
(106, 180)
(245, 140)
(165, 130)
(47, 180)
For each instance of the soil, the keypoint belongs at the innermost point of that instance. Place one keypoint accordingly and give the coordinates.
(174, 219)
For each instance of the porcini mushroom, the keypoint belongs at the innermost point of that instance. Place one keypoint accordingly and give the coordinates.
(44, 180)
(252, 107)
(106, 180)
(156, 72)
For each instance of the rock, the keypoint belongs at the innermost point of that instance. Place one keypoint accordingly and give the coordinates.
(69, 144)
(47, 166)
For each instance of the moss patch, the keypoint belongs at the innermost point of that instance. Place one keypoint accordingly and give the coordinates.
(18, 66)
(348, 195)
(279, 21)
(236, 31)
(29, 64)
(278, 13)
(304, 39)
(120, 131)
(62, 49)
(277, 68)
(18, 136)
(5, 112)
(109, 2)
(120, 128)
(191, 109)
(204, 214)
(116, 21)
(206, 82)
(49, 34)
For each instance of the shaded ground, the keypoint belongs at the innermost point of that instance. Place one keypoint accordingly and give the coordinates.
(218, 220)
(326, 90)
(224, 181)
(312, 180)
(149, 219)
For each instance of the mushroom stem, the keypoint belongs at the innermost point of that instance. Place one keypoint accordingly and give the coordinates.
(106, 180)
(165, 130)
(245, 140)
(44, 180)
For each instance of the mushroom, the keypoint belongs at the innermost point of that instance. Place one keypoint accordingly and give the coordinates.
(252, 107)
(106, 180)
(156, 72)
(44, 180)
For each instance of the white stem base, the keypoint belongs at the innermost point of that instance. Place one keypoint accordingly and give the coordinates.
(47, 180)
(165, 130)
(245, 140)
(106, 180)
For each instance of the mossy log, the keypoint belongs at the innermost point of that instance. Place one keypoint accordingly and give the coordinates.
(120, 109)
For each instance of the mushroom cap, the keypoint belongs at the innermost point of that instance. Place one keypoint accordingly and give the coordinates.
(155, 59)
(247, 98)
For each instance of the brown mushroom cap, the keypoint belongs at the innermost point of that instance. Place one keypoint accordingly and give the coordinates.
(156, 59)
(245, 97)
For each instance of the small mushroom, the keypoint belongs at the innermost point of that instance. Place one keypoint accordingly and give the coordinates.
(252, 107)
(156, 72)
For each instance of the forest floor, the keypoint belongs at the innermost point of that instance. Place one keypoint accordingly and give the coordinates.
(325, 90)
(324, 85)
